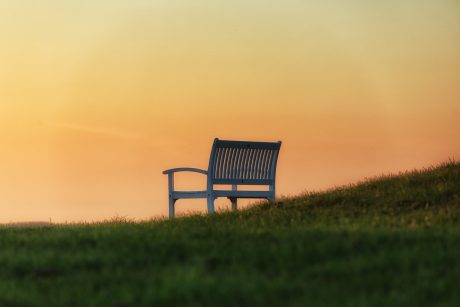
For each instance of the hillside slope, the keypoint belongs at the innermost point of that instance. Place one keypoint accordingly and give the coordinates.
(390, 241)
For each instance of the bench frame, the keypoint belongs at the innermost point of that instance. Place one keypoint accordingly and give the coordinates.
(232, 163)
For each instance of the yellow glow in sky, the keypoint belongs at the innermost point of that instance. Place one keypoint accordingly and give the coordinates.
(98, 97)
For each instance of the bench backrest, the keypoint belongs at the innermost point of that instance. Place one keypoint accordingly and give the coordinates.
(241, 162)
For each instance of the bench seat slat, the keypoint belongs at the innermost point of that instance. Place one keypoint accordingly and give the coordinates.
(241, 194)
(243, 181)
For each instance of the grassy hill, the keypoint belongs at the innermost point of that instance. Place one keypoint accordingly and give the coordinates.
(390, 241)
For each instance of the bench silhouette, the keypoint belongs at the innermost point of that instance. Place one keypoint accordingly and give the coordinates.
(232, 163)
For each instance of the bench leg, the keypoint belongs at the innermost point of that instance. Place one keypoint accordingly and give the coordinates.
(210, 204)
(172, 202)
(171, 197)
(272, 190)
(234, 203)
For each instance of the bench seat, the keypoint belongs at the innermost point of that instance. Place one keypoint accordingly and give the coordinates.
(190, 194)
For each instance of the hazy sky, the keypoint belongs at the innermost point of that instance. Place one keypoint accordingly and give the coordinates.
(97, 97)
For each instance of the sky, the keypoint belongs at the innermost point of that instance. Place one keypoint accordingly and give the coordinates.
(97, 97)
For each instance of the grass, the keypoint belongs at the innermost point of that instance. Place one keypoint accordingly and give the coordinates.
(389, 241)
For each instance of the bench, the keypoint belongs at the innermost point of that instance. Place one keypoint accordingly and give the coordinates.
(232, 163)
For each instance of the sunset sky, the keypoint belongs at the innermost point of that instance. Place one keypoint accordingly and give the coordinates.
(97, 97)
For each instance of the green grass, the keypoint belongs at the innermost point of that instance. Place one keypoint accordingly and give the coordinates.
(390, 241)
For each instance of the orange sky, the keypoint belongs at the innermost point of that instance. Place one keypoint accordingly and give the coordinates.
(98, 97)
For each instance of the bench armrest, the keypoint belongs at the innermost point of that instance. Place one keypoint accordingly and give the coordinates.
(185, 169)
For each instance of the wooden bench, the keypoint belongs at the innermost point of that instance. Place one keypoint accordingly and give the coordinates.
(232, 163)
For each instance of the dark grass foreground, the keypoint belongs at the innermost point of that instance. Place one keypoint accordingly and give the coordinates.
(391, 241)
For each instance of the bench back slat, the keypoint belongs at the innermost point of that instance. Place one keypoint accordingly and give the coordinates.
(242, 162)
